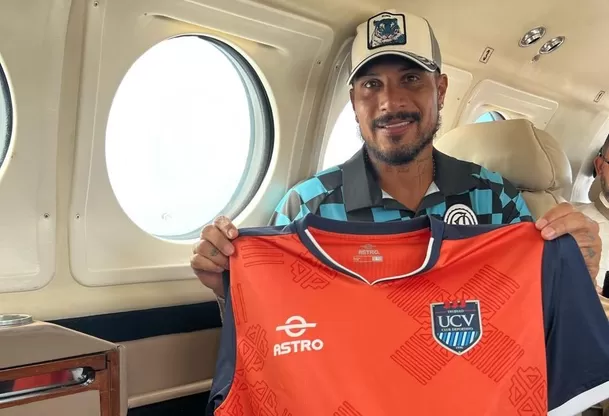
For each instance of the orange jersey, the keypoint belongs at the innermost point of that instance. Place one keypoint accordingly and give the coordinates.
(408, 318)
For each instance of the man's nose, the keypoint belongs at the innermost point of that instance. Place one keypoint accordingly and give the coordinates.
(393, 99)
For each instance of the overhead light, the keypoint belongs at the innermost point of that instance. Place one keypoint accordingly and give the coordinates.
(551, 45)
(532, 36)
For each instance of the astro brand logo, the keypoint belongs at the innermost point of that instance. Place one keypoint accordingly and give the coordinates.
(368, 250)
(295, 327)
(368, 253)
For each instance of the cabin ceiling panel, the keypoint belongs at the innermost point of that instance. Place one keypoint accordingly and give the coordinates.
(576, 71)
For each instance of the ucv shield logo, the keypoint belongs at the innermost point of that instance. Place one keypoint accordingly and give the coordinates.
(457, 326)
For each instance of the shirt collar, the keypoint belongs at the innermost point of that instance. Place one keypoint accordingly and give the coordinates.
(361, 190)
(433, 188)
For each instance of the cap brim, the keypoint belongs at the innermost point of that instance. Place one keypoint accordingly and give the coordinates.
(424, 63)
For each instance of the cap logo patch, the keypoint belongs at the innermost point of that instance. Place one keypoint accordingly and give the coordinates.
(386, 29)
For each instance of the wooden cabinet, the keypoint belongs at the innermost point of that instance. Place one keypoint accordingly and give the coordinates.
(41, 362)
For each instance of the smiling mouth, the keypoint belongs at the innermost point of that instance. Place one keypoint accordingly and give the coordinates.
(396, 125)
(396, 121)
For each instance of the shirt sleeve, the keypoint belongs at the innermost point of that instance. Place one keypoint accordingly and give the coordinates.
(521, 211)
(576, 329)
(290, 208)
(515, 208)
(227, 353)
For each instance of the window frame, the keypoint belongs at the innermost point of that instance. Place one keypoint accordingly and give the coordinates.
(7, 97)
(32, 75)
(489, 95)
(272, 43)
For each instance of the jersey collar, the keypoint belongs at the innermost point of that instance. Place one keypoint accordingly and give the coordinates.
(361, 190)
(365, 228)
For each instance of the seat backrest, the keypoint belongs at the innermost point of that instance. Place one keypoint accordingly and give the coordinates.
(530, 158)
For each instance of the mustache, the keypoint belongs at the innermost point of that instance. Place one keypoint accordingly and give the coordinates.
(401, 116)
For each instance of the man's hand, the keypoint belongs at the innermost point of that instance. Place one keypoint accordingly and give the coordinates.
(211, 252)
(564, 219)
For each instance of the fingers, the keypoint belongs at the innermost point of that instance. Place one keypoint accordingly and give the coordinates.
(210, 253)
(554, 214)
(217, 234)
(584, 230)
(225, 225)
(204, 261)
(212, 281)
(571, 223)
(564, 219)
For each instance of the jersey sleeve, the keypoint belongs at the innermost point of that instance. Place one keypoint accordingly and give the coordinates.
(227, 355)
(576, 329)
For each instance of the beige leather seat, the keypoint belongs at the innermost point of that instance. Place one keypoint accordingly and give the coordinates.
(529, 158)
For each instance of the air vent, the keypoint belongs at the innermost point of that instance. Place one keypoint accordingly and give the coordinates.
(551, 45)
(532, 36)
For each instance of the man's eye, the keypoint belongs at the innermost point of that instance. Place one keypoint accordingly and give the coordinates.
(412, 78)
(371, 84)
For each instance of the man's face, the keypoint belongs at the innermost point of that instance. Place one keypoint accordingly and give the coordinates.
(396, 105)
(602, 170)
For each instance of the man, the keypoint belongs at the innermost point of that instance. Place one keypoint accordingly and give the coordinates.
(599, 212)
(397, 92)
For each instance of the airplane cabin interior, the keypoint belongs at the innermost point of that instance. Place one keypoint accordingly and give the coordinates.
(127, 126)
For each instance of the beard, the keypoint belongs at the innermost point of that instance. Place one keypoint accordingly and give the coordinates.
(604, 188)
(406, 153)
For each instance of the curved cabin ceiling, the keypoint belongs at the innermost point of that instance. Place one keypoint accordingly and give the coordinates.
(577, 71)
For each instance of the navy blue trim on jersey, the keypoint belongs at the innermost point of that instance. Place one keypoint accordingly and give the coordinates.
(227, 355)
(366, 228)
(266, 230)
(461, 232)
(576, 330)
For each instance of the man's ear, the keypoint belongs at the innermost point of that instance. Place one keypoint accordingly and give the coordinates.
(442, 83)
(598, 165)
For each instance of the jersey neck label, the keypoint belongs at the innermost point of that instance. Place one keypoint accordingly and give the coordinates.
(457, 326)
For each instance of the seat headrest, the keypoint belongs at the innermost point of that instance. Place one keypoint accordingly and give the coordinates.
(528, 157)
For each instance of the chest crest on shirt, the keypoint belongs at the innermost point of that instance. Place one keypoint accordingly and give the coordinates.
(460, 214)
(457, 326)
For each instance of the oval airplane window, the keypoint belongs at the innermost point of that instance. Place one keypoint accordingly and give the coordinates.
(189, 136)
(344, 140)
(6, 116)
